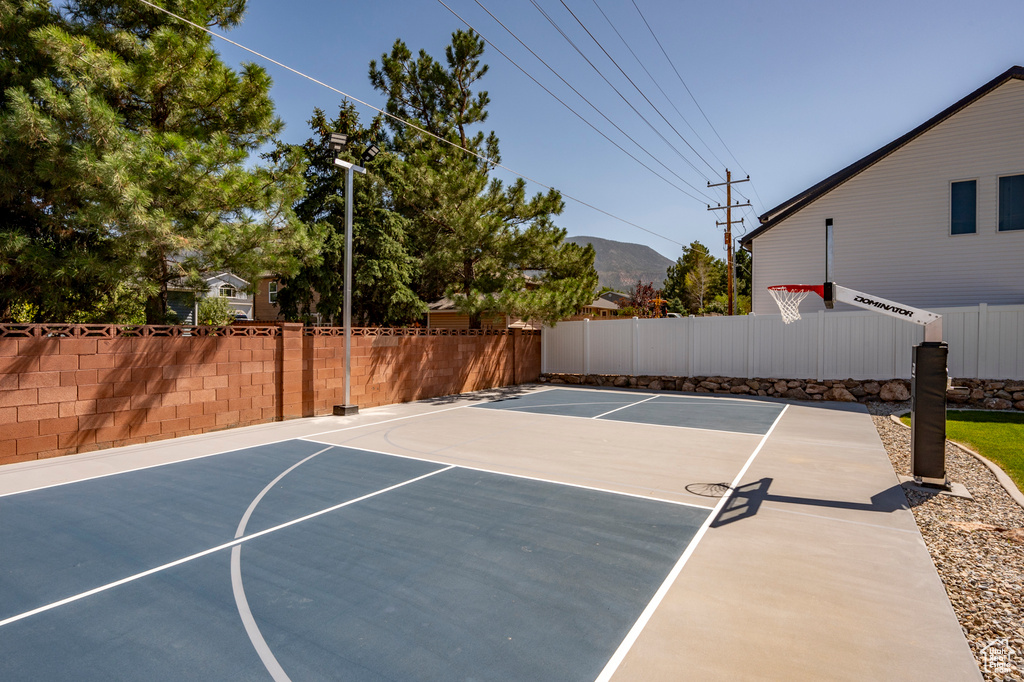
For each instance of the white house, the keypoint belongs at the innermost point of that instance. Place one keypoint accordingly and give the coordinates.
(933, 219)
(224, 285)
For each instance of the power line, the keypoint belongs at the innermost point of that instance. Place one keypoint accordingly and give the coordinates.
(687, 88)
(560, 101)
(402, 121)
(657, 85)
(616, 90)
(637, 88)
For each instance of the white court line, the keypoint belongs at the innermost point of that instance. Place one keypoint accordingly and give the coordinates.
(655, 602)
(270, 662)
(629, 421)
(523, 476)
(624, 407)
(677, 395)
(171, 443)
(205, 552)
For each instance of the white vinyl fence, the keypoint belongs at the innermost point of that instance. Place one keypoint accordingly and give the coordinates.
(985, 342)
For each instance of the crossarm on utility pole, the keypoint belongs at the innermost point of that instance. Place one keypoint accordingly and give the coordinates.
(932, 322)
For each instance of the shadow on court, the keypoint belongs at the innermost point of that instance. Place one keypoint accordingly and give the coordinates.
(747, 500)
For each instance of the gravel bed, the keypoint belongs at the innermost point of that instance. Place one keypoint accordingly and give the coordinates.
(977, 546)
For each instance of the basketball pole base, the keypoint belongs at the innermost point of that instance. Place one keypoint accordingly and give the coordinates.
(345, 410)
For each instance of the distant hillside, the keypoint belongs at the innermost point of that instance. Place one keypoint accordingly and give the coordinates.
(620, 264)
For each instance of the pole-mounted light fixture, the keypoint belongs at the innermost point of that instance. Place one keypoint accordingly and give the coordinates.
(337, 142)
(370, 153)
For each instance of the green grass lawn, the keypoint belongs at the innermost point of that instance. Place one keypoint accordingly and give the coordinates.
(999, 436)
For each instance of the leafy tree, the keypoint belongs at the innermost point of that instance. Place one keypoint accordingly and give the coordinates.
(483, 244)
(126, 143)
(216, 311)
(694, 280)
(382, 266)
(643, 301)
(744, 272)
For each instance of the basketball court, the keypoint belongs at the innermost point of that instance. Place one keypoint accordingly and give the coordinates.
(536, 533)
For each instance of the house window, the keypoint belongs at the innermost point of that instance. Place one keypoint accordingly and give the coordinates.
(272, 288)
(1011, 203)
(227, 291)
(963, 207)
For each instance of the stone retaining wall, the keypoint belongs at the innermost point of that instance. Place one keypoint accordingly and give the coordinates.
(986, 394)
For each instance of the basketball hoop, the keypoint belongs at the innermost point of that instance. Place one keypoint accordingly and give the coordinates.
(789, 296)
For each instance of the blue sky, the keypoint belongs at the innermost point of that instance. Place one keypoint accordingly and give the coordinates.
(796, 89)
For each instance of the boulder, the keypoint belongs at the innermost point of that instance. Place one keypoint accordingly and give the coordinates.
(710, 385)
(621, 381)
(1004, 395)
(687, 386)
(894, 391)
(851, 383)
(872, 388)
(742, 388)
(815, 389)
(977, 394)
(754, 385)
(1019, 405)
(796, 393)
(839, 393)
(572, 379)
(655, 385)
(781, 386)
(794, 384)
(1014, 386)
(997, 404)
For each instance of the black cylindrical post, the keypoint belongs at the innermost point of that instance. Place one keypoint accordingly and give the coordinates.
(928, 413)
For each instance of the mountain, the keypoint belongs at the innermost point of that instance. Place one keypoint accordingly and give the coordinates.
(620, 264)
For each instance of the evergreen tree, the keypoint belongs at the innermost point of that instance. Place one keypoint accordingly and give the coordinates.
(125, 147)
(481, 243)
(382, 267)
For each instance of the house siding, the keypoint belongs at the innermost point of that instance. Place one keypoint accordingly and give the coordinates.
(892, 225)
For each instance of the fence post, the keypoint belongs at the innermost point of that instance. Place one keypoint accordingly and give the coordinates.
(691, 351)
(982, 341)
(291, 370)
(821, 345)
(586, 346)
(750, 345)
(635, 363)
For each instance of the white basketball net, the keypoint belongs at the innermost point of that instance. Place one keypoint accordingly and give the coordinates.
(789, 301)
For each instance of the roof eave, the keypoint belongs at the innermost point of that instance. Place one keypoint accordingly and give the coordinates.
(812, 194)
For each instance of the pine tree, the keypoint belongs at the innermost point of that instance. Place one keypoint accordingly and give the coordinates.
(382, 267)
(132, 139)
(479, 242)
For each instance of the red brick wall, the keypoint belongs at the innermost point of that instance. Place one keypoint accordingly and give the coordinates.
(63, 392)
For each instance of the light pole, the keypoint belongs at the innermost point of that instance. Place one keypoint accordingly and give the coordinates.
(337, 143)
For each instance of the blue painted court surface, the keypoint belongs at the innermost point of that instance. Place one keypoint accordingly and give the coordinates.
(296, 560)
(734, 415)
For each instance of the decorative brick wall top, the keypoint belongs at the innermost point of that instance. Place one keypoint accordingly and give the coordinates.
(115, 331)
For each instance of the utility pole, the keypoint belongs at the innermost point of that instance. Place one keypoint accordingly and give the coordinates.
(731, 275)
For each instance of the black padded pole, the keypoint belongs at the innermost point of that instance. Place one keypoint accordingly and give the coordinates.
(928, 413)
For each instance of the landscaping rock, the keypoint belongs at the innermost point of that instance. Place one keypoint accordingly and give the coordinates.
(796, 394)
(655, 385)
(894, 391)
(840, 394)
(997, 404)
(814, 389)
(872, 388)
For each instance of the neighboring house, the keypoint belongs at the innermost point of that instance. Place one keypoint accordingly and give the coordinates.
(619, 299)
(266, 308)
(933, 219)
(181, 300)
(600, 309)
(442, 314)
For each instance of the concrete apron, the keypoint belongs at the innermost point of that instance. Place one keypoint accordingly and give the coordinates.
(818, 573)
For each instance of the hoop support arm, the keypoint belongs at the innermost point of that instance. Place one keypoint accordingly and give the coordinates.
(932, 322)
